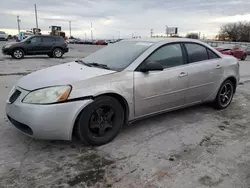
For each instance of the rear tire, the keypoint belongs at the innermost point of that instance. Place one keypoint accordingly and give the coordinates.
(225, 95)
(57, 53)
(244, 57)
(100, 122)
(17, 54)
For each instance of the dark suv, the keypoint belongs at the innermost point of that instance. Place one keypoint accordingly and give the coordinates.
(53, 46)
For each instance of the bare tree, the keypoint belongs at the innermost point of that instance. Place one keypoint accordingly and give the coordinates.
(238, 32)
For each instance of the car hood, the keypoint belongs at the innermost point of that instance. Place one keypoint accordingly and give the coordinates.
(64, 74)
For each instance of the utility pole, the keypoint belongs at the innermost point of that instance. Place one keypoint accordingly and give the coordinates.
(151, 32)
(18, 25)
(167, 30)
(91, 32)
(85, 36)
(36, 17)
(69, 28)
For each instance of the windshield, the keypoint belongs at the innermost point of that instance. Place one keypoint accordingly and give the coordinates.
(119, 55)
(26, 39)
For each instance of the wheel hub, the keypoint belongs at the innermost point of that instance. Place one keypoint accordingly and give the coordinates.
(226, 94)
(101, 121)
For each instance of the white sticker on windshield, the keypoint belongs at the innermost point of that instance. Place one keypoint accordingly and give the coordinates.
(144, 43)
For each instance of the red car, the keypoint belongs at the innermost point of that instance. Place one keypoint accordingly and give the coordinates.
(231, 49)
(101, 42)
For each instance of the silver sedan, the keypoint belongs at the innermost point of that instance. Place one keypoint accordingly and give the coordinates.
(94, 97)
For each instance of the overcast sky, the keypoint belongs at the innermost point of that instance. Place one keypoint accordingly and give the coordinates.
(113, 17)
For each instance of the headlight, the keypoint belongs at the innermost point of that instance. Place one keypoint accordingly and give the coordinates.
(7, 46)
(48, 95)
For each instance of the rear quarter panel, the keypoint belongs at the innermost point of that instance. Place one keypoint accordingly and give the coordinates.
(230, 68)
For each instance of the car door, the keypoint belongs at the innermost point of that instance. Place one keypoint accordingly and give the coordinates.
(47, 44)
(157, 91)
(34, 45)
(204, 70)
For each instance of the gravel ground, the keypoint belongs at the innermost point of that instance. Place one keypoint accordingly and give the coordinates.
(197, 147)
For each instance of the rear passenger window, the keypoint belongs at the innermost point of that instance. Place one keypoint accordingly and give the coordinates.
(211, 54)
(47, 39)
(58, 39)
(196, 52)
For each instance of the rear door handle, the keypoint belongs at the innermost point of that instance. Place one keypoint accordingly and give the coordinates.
(218, 67)
(182, 74)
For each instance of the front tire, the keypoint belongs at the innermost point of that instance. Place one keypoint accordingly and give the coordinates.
(225, 95)
(100, 122)
(244, 57)
(18, 54)
(57, 53)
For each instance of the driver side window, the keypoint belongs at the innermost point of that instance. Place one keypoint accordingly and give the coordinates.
(33, 40)
(168, 56)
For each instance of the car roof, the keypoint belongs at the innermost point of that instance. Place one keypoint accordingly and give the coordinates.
(46, 36)
(167, 40)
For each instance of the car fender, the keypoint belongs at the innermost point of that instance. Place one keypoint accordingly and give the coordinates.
(120, 83)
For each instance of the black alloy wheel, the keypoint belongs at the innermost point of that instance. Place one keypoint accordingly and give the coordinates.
(100, 122)
(225, 95)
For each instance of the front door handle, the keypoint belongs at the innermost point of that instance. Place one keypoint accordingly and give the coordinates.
(218, 67)
(182, 74)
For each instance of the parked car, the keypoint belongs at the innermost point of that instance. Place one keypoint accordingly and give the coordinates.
(101, 42)
(231, 49)
(247, 49)
(53, 46)
(129, 80)
(3, 36)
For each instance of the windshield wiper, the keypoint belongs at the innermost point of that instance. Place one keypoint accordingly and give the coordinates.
(82, 62)
(99, 65)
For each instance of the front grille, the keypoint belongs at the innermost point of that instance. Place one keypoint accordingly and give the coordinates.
(22, 127)
(14, 96)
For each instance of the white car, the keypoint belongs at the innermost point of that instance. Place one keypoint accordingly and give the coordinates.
(3, 36)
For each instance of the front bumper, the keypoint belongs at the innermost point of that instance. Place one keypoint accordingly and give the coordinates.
(6, 51)
(47, 122)
(66, 50)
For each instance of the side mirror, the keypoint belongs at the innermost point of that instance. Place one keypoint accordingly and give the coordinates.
(28, 42)
(151, 66)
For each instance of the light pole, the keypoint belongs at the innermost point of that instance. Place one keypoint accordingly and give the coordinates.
(18, 25)
(91, 31)
(36, 17)
(69, 28)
